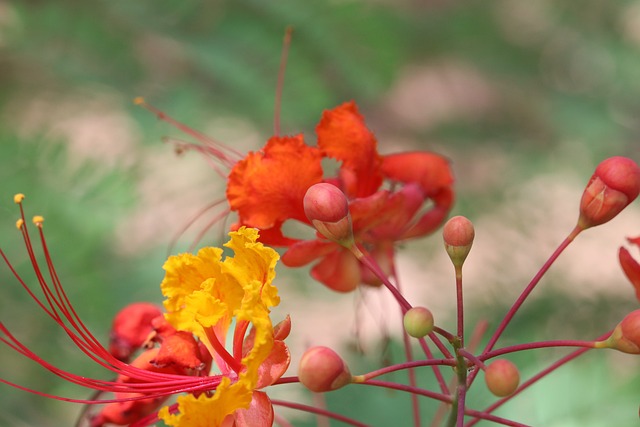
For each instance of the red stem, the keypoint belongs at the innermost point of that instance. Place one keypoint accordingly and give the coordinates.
(318, 411)
(560, 362)
(443, 398)
(523, 296)
(535, 345)
(407, 365)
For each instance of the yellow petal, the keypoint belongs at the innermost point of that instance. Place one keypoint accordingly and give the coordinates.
(204, 294)
(204, 411)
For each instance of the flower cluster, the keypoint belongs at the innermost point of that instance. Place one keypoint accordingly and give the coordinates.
(214, 346)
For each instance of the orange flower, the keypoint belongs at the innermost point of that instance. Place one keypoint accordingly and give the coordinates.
(390, 197)
(267, 188)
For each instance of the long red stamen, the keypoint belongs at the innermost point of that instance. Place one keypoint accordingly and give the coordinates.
(238, 338)
(222, 352)
(195, 218)
(227, 155)
(286, 43)
(58, 307)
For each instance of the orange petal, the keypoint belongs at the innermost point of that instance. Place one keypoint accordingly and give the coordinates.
(343, 135)
(267, 187)
(269, 236)
(631, 269)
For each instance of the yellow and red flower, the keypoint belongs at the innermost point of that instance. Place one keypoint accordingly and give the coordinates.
(207, 298)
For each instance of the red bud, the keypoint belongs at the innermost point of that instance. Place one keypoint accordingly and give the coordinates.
(328, 210)
(614, 184)
(626, 336)
(458, 234)
(321, 369)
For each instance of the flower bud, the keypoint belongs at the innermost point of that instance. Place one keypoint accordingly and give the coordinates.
(328, 210)
(614, 184)
(458, 234)
(321, 369)
(626, 336)
(418, 322)
(502, 377)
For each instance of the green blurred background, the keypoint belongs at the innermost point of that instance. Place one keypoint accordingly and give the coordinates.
(524, 97)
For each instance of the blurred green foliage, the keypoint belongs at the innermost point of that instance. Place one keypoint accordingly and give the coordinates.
(547, 84)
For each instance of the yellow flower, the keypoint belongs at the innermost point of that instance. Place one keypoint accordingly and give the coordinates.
(206, 295)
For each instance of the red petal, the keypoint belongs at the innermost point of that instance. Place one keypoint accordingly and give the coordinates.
(131, 328)
(398, 213)
(343, 135)
(267, 187)
(305, 251)
(631, 269)
(434, 218)
(339, 270)
(259, 413)
(275, 365)
(282, 329)
(364, 211)
(429, 170)
(634, 240)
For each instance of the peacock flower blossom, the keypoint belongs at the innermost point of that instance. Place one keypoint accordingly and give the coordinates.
(207, 298)
(391, 198)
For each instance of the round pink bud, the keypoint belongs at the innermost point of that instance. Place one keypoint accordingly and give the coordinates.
(458, 234)
(614, 184)
(321, 369)
(418, 322)
(502, 377)
(328, 210)
(626, 336)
